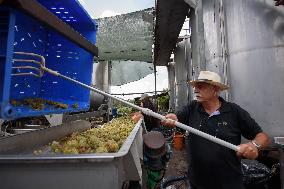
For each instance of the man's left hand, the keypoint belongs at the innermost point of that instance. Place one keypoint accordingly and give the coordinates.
(248, 150)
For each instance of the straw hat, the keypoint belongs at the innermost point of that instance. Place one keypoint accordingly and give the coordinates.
(143, 96)
(210, 78)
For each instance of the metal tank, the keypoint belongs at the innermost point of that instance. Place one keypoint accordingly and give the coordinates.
(182, 55)
(100, 80)
(215, 44)
(248, 51)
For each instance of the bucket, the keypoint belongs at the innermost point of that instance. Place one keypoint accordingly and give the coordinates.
(178, 141)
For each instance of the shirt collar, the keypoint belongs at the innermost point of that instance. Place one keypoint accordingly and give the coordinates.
(224, 106)
(217, 112)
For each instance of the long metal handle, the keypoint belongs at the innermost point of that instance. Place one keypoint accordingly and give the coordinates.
(151, 113)
(144, 110)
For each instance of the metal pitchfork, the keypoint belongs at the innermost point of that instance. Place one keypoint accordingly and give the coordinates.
(41, 69)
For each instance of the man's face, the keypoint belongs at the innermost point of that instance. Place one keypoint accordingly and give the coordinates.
(204, 92)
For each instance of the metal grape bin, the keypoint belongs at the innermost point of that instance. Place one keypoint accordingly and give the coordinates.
(20, 168)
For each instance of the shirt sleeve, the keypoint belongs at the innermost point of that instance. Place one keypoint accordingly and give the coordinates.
(183, 114)
(249, 127)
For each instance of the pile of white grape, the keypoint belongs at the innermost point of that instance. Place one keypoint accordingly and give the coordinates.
(108, 138)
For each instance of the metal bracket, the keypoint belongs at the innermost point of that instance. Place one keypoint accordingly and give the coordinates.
(54, 119)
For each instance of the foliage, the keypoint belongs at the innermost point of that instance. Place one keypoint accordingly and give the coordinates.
(163, 102)
(124, 110)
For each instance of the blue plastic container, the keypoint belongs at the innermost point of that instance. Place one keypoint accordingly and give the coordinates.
(20, 32)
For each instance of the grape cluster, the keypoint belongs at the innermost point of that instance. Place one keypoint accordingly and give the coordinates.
(108, 138)
(39, 104)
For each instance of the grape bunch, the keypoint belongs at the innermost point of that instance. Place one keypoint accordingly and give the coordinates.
(108, 138)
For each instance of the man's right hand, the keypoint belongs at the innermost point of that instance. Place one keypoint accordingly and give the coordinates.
(248, 150)
(136, 116)
(170, 120)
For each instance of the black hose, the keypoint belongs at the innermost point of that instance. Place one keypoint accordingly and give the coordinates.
(171, 180)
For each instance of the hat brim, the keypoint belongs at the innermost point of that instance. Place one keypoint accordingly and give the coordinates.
(220, 85)
(142, 98)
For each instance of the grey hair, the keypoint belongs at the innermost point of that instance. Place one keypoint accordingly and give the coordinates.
(217, 90)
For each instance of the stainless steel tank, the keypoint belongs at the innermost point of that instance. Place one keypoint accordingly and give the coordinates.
(100, 80)
(182, 55)
(254, 34)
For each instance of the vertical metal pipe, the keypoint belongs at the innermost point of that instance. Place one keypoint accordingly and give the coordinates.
(171, 80)
(224, 46)
(197, 39)
(155, 75)
(181, 74)
(188, 67)
(155, 72)
(107, 81)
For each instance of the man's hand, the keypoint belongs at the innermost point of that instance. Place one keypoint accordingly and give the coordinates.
(170, 120)
(136, 116)
(248, 150)
(279, 2)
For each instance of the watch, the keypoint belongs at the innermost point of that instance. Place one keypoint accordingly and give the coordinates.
(256, 145)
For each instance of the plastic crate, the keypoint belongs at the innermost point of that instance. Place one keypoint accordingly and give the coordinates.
(20, 32)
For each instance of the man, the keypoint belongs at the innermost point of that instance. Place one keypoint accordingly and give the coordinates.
(151, 123)
(212, 166)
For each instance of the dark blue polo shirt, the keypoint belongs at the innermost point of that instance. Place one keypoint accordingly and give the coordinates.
(212, 166)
